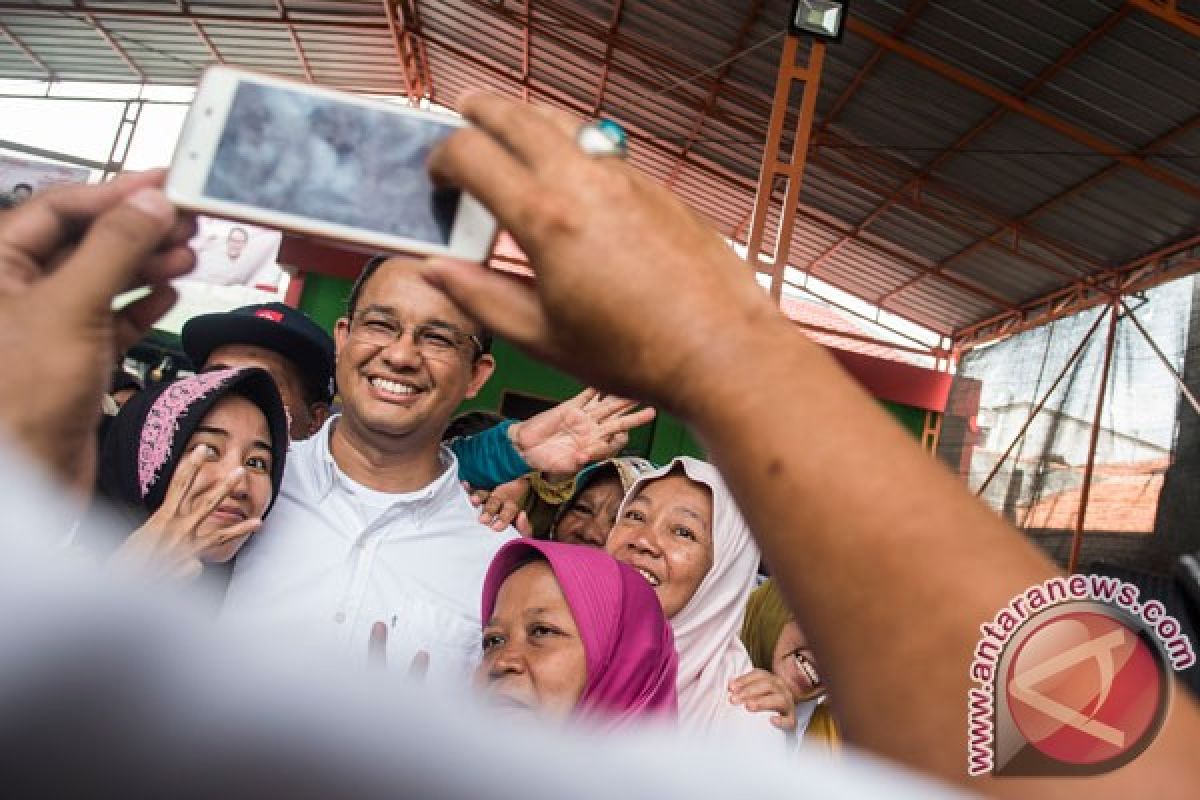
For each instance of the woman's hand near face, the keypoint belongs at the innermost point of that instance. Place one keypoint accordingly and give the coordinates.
(663, 290)
(760, 690)
(501, 507)
(170, 542)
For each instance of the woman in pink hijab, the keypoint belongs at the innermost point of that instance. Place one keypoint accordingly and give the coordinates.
(569, 632)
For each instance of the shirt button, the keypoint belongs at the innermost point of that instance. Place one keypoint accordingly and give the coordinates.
(339, 617)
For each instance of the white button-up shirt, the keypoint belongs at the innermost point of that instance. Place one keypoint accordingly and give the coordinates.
(334, 557)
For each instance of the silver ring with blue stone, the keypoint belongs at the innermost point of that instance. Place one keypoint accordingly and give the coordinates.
(603, 137)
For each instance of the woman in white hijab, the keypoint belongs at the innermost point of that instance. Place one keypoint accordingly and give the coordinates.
(680, 528)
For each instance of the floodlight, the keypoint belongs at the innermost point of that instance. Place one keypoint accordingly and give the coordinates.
(824, 19)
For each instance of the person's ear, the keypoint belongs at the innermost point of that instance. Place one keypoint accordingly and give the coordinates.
(481, 370)
(318, 413)
(341, 332)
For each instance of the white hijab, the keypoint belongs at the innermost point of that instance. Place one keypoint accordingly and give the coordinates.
(711, 653)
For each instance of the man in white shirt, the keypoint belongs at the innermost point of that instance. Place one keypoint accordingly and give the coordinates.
(372, 541)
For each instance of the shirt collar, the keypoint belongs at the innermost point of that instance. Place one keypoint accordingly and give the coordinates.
(326, 474)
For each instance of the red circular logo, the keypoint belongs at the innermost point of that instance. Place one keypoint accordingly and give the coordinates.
(1085, 688)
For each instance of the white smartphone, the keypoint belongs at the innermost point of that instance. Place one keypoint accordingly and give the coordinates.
(325, 163)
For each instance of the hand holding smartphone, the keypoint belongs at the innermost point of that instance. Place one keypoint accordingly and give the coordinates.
(325, 163)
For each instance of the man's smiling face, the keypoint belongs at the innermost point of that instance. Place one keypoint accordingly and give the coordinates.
(397, 390)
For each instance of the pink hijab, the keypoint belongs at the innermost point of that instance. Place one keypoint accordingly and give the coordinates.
(627, 642)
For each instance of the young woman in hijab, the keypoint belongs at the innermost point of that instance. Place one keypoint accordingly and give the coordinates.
(590, 512)
(776, 643)
(570, 633)
(195, 465)
(680, 529)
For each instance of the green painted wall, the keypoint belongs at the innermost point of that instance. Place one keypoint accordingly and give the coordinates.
(324, 299)
(913, 419)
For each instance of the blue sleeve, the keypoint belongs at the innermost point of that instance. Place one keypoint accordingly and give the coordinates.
(488, 459)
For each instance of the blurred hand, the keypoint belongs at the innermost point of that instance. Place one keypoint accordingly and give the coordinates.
(633, 292)
(64, 256)
(170, 543)
(760, 690)
(501, 507)
(377, 653)
(589, 427)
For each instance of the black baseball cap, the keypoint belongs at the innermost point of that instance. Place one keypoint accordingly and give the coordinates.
(274, 326)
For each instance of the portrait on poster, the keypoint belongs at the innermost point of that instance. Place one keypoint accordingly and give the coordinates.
(236, 254)
(20, 178)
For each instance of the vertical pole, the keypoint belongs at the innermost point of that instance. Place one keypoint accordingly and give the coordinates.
(295, 289)
(792, 170)
(123, 139)
(932, 431)
(112, 151)
(1077, 538)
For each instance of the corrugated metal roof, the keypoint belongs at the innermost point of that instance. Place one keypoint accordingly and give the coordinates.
(922, 194)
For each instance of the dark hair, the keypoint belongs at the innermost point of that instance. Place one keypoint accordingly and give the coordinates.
(470, 423)
(370, 268)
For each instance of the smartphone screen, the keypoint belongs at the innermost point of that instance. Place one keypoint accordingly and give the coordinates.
(293, 152)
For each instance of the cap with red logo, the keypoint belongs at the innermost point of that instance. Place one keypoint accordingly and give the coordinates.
(273, 326)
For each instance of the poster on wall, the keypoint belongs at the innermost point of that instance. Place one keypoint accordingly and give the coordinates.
(236, 254)
(20, 178)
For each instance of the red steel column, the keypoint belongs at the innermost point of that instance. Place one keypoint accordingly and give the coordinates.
(1086, 489)
(791, 170)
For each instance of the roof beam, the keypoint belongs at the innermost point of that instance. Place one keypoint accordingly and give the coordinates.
(562, 36)
(526, 50)
(910, 17)
(112, 43)
(482, 61)
(572, 21)
(334, 21)
(614, 22)
(1140, 274)
(24, 48)
(893, 253)
(1071, 191)
(576, 106)
(739, 41)
(1019, 106)
(1150, 149)
(283, 15)
(940, 217)
(200, 32)
(53, 155)
(1068, 252)
(1168, 11)
(400, 44)
(975, 132)
(410, 20)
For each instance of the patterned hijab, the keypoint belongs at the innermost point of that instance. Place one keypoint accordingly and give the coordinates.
(147, 439)
(627, 642)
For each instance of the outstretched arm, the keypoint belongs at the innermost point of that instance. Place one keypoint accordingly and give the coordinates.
(589, 427)
(890, 564)
(558, 442)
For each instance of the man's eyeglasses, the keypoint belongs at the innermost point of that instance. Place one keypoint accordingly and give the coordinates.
(436, 340)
